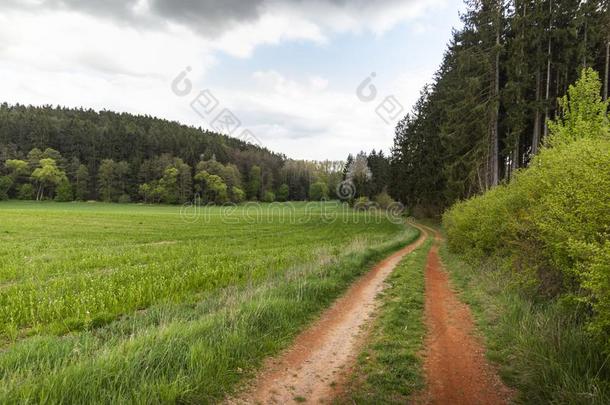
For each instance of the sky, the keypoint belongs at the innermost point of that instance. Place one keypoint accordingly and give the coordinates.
(311, 79)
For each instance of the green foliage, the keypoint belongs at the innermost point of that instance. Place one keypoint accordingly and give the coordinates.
(64, 191)
(81, 183)
(583, 114)
(486, 111)
(268, 196)
(362, 204)
(17, 168)
(283, 193)
(551, 224)
(26, 192)
(6, 183)
(318, 191)
(254, 183)
(383, 200)
(112, 179)
(238, 195)
(47, 176)
(213, 188)
(124, 199)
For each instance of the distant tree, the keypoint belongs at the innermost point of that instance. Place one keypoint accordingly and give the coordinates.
(6, 183)
(106, 180)
(169, 182)
(112, 179)
(81, 183)
(212, 187)
(34, 157)
(268, 196)
(18, 169)
(26, 192)
(348, 164)
(47, 177)
(238, 195)
(318, 191)
(64, 191)
(184, 181)
(283, 192)
(360, 174)
(254, 183)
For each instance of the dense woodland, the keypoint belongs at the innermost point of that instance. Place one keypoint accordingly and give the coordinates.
(485, 114)
(69, 154)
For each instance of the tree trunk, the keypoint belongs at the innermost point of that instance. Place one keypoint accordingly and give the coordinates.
(515, 159)
(536, 135)
(548, 73)
(607, 65)
(584, 56)
(493, 161)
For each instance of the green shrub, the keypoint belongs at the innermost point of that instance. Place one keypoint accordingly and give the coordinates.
(5, 185)
(318, 191)
(283, 192)
(269, 196)
(124, 199)
(64, 191)
(26, 192)
(383, 200)
(238, 195)
(551, 224)
(362, 203)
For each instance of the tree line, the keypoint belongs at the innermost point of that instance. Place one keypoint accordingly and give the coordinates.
(75, 154)
(486, 112)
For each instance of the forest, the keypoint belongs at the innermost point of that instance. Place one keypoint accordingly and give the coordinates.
(75, 154)
(486, 112)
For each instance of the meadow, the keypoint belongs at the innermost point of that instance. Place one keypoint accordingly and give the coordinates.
(109, 303)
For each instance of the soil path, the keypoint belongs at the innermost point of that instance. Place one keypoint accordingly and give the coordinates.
(456, 369)
(314, 368)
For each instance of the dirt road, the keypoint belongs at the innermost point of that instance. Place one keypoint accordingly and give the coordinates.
(456, 369)
(315, 367)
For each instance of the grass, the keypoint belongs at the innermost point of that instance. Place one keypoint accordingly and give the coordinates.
(543, 349)
(131, 304)
(389, 370)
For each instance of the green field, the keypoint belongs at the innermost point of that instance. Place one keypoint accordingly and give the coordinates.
(104, 303)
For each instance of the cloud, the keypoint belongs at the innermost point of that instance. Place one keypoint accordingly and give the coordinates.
(214, 18)
(123, 55)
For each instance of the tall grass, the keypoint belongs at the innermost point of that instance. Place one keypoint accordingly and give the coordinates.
(543, 348)
(197, 347)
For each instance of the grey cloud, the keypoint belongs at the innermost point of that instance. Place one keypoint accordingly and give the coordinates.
(208, 17)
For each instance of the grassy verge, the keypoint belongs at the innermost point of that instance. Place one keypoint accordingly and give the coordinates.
(543, 350)
(389, 369)
(188, 352)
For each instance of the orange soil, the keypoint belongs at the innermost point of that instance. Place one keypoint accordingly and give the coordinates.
(456, 369)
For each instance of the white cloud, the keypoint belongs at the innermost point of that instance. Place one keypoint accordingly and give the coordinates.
(124, 58)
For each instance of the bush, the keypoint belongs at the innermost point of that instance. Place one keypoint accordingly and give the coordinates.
(26, 192)
(124, 199)
(551, 224)
(383, 200)
(238, 195)
(5, 185)
(269, 196)
(318, 191)
(362, 204)
(283, 193)
(64, 191)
